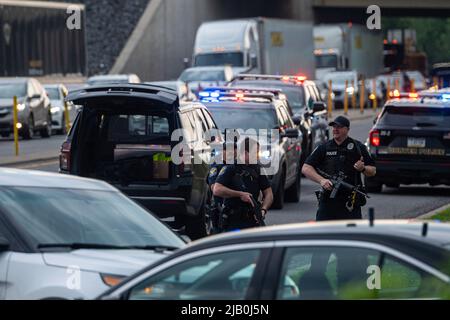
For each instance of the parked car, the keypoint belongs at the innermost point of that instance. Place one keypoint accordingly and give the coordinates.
(113, 78)
(56, 93)
(34, 110)
(122, 135)
(328, 260)
(64, 237)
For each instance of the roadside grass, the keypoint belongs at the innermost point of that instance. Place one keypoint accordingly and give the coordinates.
(442, 216)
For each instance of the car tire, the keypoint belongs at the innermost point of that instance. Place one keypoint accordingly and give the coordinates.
(27, 131)
(373, 185)
(47, 131)
(5, 135)
(392, 185)
(293, 192)
(278, 199)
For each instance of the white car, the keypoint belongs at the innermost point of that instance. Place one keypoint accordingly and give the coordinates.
(198, 78)
(65, 237)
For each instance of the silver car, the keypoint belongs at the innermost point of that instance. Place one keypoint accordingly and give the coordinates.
(33, 108)
(64, 237)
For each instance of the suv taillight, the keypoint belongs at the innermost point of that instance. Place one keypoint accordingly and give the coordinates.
(374, 138)
(64, 157)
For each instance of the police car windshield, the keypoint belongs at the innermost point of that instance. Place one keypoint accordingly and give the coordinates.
(246, 117)
(294, 93)
(416, 116)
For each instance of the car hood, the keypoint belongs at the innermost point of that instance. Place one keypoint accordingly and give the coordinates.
(117, 262)
(9, 102)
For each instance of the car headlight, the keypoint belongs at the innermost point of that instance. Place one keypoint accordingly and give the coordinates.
(264, 154)
(55, 109)
(111, 280)
(350, 90)
(21, 107)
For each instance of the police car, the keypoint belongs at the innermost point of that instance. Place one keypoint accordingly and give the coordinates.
(327, 260)
(410, 141)
(305, 100)
(262, 109)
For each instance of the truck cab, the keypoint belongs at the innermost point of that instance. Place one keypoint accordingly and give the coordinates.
(230, 42)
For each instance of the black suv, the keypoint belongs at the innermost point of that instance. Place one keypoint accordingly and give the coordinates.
(245, 109)
(34, 109)
(304, 99)
(122, 135)
(410, 143)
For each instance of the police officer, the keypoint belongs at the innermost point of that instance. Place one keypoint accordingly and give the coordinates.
(341, 154)
(216, 203)
(238, 184)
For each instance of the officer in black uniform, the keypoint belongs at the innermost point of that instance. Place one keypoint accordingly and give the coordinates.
(238, 184)
(216, 203)
(341, 154)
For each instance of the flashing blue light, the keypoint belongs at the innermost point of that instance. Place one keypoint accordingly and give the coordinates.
(215, 94)
(204, 94)
(446, 96)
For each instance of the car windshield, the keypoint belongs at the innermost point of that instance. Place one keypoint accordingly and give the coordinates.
(9, 90)
(326, 61)
(248, 117)
(415, 117)
(202, 75)
(234, 59)
(53, 93)
(67, 216)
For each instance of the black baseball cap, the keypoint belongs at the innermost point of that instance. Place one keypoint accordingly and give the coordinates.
(340, 121)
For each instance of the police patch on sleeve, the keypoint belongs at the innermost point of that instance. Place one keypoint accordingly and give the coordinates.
(222, 171)
(213, 172)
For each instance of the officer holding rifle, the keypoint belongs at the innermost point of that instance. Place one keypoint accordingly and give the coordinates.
(337, 166)
(240, 185)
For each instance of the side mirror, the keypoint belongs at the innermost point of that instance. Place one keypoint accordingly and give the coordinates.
(253, 61)
(297, 120)
(290, 133)
(4, 244)
(319, 106)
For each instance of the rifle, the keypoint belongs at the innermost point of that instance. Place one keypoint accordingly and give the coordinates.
(338, 182)
(256, 210)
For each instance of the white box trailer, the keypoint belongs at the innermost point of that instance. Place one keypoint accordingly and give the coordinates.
(348, 47)
(257, 45)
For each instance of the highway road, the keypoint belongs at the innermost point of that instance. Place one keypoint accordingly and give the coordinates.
(404, 202)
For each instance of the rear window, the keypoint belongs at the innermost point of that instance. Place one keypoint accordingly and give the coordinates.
(135, 127)
(415, 117)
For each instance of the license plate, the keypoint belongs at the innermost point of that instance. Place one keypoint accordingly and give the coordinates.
(416, 142)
